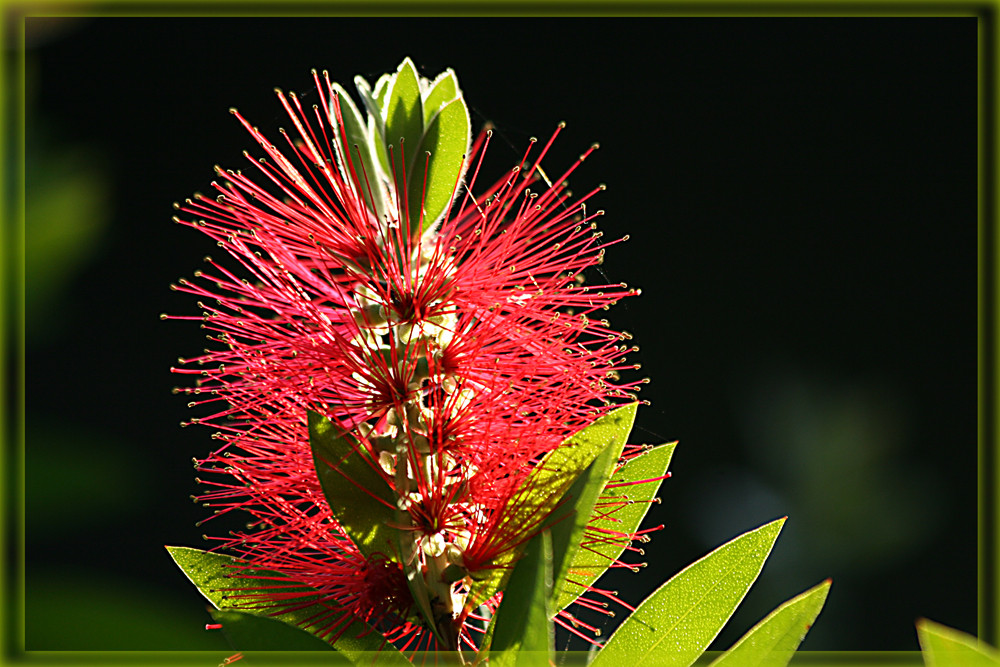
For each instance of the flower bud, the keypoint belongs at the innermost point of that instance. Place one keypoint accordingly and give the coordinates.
(433, 545)
(454, 555)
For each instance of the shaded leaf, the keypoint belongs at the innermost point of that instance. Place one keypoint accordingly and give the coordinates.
(675, 624)
(543, 488)
(376, 140)
(231, 585)
(359, 497)
(356, 160)
(946, 647)
(626, 508)
(247, 632)
(368, 100)
(380, 89)
(773, 641)
(435, 179)
(521, 628)
(376, 121)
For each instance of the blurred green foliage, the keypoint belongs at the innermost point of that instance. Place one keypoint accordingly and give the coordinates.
(67, 200)
(81, 612)
(78, 486)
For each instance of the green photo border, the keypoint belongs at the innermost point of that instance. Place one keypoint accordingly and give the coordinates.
(12, 371)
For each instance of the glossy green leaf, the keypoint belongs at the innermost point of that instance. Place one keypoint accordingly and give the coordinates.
(675, 624)
(542, 490)
(443, 90)
(575, 513)
(435, 179)
(624, 508)
(404, 120)
(247, 632)
(946, 647)
(356, 158)
(773, 641)
(521, 628)
(230, 585)
(359, 496)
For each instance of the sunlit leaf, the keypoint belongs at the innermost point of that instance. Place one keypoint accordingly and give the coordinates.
(946, 647)
(542, 490)
(359, 497)
(231, 585)
(625, 507)
(773, 641)
(675, 624)
(521, 628)
(575, 513)
(435, 178)
(443, 90)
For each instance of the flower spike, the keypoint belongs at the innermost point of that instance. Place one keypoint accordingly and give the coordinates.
(387, 343)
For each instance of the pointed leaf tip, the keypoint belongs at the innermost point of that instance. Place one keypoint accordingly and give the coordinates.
(774, 640)
(675, 624)
(358, 496)
(435, 180)
(589, 564)
(216, 575)
(546, 485)
(943, 646)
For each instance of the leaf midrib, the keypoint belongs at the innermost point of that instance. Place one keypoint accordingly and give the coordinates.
(687, 613)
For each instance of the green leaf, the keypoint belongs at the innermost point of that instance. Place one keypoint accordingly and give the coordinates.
(521, 628)
(368, 99)
(946, 647)
(415, 582)
(578, 503)
(247, 632)
(773, 641)
(675, 624)
(359, 497)
(230, 585)
(380, 89)
(541, 491)
(447, 140)
(376, 122)
(404, 119)
(630, 506)
(367, 179)
(443, 90)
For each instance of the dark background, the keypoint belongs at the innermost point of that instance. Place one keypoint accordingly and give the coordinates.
(801, 200)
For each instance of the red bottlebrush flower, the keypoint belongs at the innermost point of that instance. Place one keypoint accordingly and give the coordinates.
(455, 358)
